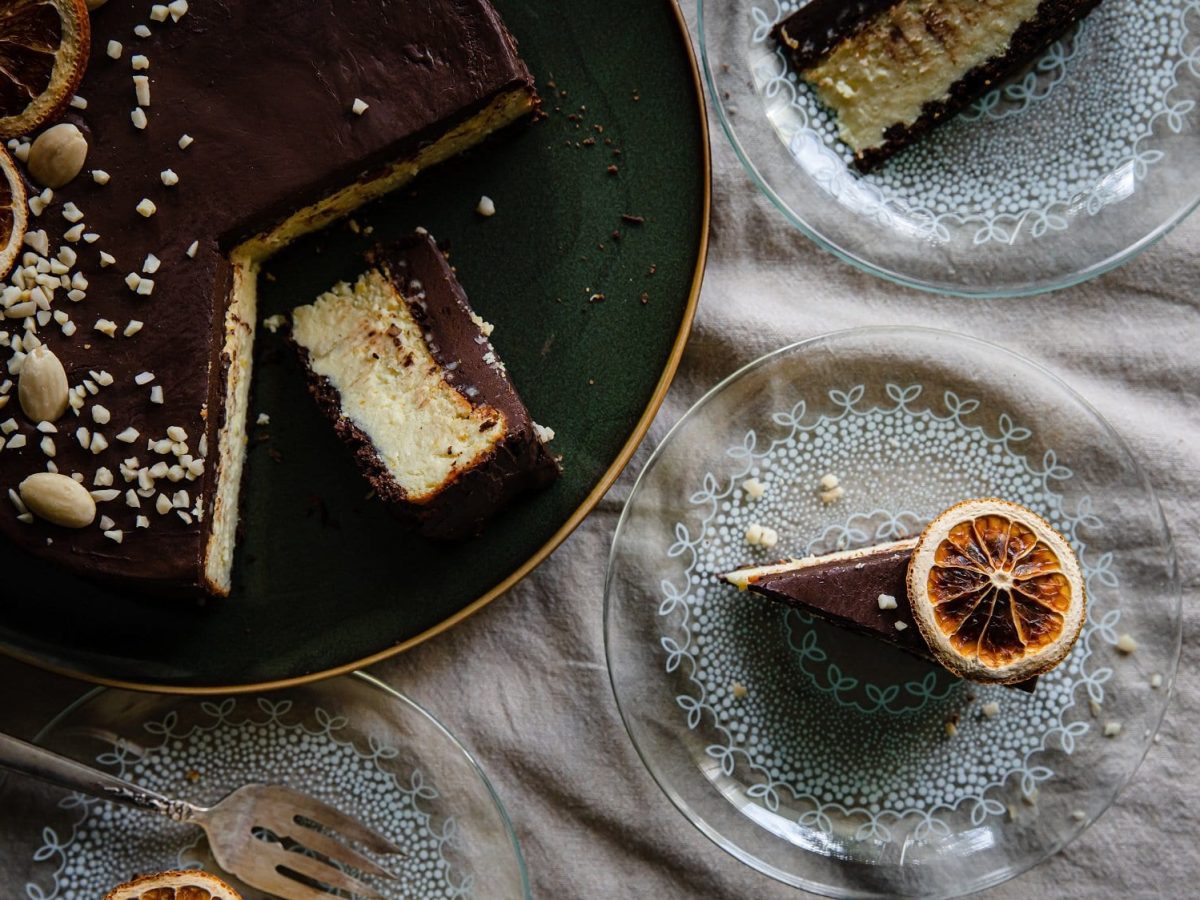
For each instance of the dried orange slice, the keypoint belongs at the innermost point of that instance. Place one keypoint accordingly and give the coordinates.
(13, 213)
(188, 884)
(997, 593)
(44, 48)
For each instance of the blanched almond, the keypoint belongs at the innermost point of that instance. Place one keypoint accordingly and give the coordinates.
(57, 156)
(58, 499)
(42, 385)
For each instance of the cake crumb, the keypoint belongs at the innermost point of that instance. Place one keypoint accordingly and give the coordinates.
(754, 534)
(754, 488)
(486, 207)
(886, 601)
(275, 322)
(738, 690)
(833, 495)
(1126, 644)
(1112, 729)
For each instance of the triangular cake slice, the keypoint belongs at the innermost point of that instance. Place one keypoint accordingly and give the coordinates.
(855, 589)
(403, 367)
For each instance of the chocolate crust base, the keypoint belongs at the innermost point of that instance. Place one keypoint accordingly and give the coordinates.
(517, 464)
(835, 22)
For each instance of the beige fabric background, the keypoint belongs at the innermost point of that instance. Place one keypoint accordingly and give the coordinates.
(524, 685)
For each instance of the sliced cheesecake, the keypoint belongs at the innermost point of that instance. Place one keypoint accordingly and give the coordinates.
(891, 71)
(217, 133)
(864, 590)
(404, 369)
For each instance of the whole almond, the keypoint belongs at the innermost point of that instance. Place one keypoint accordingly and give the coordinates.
(58, 499)
(58, 155)
(42, 385)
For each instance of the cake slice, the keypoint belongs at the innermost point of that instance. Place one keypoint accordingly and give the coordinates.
(891, 71)
(864, 590)
(403, 367)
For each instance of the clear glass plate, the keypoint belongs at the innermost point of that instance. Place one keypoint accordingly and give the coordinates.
(350, 741)
(823, 758)
(1068, 170)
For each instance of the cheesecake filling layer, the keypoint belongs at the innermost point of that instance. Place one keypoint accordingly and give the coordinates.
(907, 56)
(364, 340)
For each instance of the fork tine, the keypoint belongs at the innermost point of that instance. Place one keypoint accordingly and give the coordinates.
(317, 870)
(336, 820)
(331, 847)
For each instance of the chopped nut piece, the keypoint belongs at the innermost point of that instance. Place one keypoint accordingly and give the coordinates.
(132, 328)
(178, 9)
(168, 177)
(129, 435)
(754, 534)
(156, 394)
(159, 13)
(1126, 644)
(770, 537)
(141, 89)
(101, 415)
(147, 207)
(140, 63)
(1156, 681)
(486, 207)
(192, 248)
(163, 504)
(991, 709)
(142, 31)
(886, 601)
(150, 266)
(1112, 729)
(900, 626)
(115, 49)
(143, 378)
(138, 116)
(106, 259)
(358, 107)
(1095, 708)
(738, 690)
(828, 482)
(186, 141)
(145, 287)
(1078, 815)
(106, 326)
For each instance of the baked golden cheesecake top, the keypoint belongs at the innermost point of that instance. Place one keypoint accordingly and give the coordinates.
(215, 133)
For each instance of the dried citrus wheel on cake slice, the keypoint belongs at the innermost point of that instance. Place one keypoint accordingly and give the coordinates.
(997, 593)
(13, 215)
(188, 884)
(44, 48)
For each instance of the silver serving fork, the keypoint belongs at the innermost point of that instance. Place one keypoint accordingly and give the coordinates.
(266, 865)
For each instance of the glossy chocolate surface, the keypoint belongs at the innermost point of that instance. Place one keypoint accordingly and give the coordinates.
(265, 90)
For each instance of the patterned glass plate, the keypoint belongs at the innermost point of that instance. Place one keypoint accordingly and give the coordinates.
(823, 758)
(1066, 171)
(350, 741)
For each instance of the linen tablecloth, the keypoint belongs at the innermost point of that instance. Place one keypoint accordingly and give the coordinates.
(523, 683)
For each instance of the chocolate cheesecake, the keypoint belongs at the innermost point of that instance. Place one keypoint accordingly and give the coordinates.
(404, 369)
(217, 133)
(891, 70)
(863, 590)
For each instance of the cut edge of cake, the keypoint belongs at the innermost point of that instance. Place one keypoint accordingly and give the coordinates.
(241, 314)
(403, 369)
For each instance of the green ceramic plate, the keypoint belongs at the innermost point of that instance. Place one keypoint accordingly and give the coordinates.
(326, 580)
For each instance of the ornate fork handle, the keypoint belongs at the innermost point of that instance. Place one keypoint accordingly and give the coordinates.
(36, 762)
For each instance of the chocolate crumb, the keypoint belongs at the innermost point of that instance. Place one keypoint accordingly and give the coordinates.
(589, 142)
(645, 298)
(275, 455)
(653, 268)
(616, 235)
(612, 170)
(192, 775)
(596, 298)
(632, 219)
